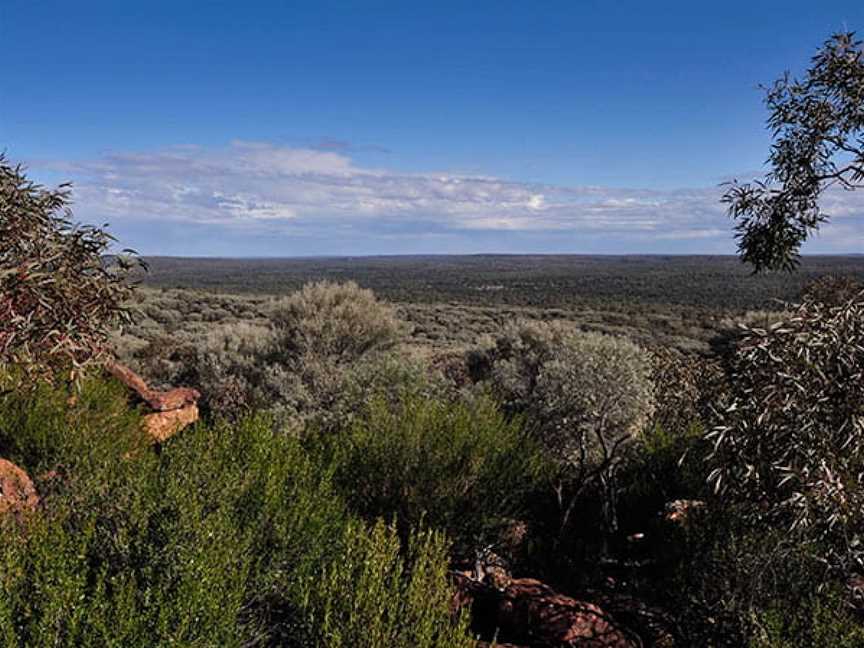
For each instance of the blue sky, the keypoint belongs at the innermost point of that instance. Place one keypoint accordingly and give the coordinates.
(271, 128)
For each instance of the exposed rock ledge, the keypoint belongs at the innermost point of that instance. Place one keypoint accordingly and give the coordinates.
(171, 411)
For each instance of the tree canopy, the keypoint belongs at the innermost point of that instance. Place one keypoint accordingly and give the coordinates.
(817, 123)
(60, 291)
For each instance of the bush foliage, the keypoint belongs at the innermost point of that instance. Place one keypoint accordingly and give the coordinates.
(586, 395)
(789, 444)
(461, 468)
(59, 297)
(231, 536)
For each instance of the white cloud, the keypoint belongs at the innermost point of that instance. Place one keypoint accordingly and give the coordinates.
(249, 185)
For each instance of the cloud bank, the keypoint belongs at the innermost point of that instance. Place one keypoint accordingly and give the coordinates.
(258, 198)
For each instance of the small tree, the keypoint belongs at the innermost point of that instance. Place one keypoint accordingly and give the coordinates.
(790, 445)
(818, 128)
(59, 296)
(585, 396)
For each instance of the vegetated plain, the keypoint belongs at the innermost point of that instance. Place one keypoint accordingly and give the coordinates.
(451, 301)
(458, 460)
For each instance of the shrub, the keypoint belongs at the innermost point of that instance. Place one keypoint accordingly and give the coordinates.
(790, 445)
(221, 539)
(81, 431)
(294, 365)
(729, 580)
(59, 298)
(832, 290)
(375, 595)
(823, 620)
(585, 397)
(461, 468)
(333, 323)
(686, 387)
(392, 377)
(319, 332)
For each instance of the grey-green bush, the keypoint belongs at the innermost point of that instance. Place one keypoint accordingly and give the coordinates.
(585, 397)
(334, 323)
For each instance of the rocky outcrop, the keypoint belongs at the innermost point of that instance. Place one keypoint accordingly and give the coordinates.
(161, 426)
(158, 401)
(170, 411)
(17, 493)
(529, 613)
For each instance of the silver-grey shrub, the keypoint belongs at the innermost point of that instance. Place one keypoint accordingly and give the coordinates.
(789, 448)
(585, 396)
(336, 323)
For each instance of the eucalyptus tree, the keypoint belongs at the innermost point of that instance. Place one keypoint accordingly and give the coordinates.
(817, 124)
(61, 292)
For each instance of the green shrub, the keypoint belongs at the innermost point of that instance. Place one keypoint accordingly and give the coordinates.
(822, 620)
(375, 596)
(739, 584)
(221, 539)
(79, 432)
(457, 467)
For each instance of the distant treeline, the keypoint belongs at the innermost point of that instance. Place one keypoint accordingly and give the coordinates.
(712, 282)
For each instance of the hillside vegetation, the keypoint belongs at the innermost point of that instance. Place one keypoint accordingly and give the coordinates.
(535, 477)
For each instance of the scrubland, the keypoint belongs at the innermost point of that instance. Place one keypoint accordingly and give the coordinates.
(356, 452)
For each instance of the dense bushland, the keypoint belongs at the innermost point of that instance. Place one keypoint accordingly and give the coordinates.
(250, 528)
(342, 469)
(230, 536)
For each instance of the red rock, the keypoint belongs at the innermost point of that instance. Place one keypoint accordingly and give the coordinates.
(528, 612)
(129, 378)
(682, 512)
(17, 493)
(172, 410)
(163, 425)
(174, 399)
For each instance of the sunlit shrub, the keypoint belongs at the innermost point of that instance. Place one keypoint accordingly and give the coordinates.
(458, 467)
(585, 397)
(333, 323)
(377, 595)
(230, 536)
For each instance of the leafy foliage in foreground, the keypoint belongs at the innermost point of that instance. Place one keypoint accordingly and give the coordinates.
(59, 298)
(791, 443)
(220, 539)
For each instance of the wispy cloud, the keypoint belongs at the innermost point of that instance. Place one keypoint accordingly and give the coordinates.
(319, 192)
